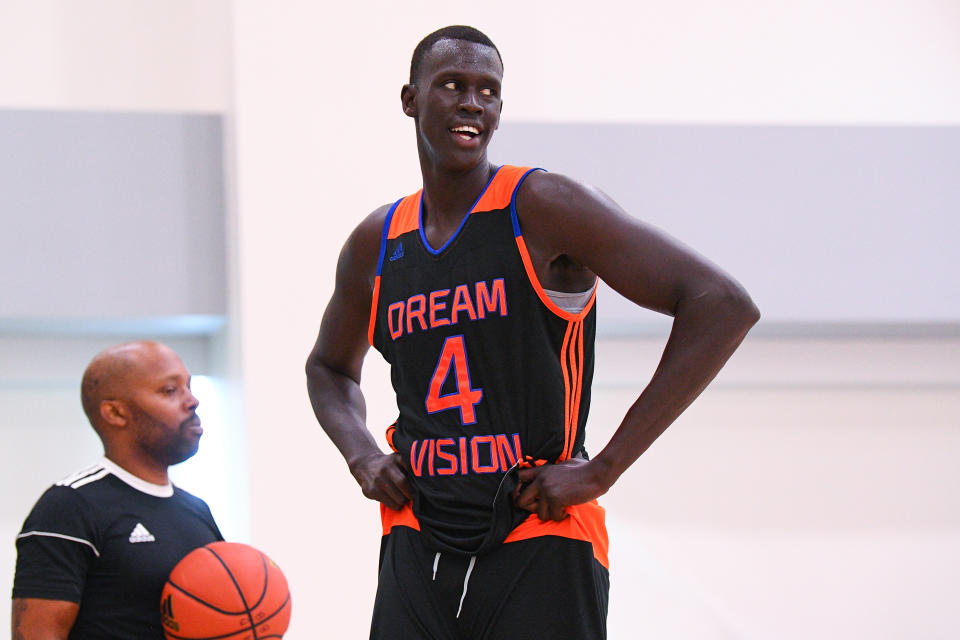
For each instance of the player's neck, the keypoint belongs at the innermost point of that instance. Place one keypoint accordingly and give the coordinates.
(449, 194)
(146, 470)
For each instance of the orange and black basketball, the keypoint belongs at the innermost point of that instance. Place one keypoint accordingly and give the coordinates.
(228, 591)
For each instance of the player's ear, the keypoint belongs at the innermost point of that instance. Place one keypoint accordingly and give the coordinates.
(407, 95)
(114, 413)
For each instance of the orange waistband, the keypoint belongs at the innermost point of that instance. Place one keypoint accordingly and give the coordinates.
(583, 522)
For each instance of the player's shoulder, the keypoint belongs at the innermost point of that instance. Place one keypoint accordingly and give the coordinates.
(73, 497)
(59, 498)
(189, 499)
(548, 190)
(548, 202)
(371, 227)
(105, 486)
(362, 248)
(85, 476)
(371, 230)
(80, 487)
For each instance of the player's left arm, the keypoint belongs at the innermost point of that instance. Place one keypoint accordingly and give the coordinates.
(711, 315)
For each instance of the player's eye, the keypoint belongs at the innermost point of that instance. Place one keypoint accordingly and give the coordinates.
(486, 91)
(450, 85)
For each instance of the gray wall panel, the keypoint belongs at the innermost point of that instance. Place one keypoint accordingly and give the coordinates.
(822, 224)
(111, 215)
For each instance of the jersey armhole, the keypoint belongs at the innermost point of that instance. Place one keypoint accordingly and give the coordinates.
(376, 282)
(528, 263)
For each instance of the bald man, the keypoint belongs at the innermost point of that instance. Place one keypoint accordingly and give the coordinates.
(96, 549)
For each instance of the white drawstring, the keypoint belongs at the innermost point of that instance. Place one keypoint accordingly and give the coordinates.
(436, 561)
(466, 579)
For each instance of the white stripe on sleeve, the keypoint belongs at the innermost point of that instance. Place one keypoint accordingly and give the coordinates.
(49, 534)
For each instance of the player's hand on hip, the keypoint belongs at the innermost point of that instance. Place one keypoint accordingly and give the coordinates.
(549, 489)
(381, 477)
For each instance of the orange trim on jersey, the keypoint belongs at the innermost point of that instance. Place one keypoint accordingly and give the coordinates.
(572, 400)
(500, 190)
(583, 522)
(373, 310)
(571, 365)
(567, 381)
(406, 217)
(391, 430)
(403, 518)
(544, 298)
(578, 389)
(496, 195)
(571, 352)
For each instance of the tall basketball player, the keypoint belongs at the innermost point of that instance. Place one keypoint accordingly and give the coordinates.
(479, 291)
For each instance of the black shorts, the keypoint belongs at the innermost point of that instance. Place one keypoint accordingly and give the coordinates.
(544, 587)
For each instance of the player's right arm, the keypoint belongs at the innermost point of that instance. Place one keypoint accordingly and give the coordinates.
(334, 365)
(40, 619)
(55, 549)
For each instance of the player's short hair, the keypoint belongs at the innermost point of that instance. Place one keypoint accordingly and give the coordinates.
(453, 32)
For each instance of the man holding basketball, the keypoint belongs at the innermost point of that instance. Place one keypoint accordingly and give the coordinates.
(479, 290)
(97, 547)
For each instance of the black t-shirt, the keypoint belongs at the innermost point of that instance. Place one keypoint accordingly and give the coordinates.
(108, 540)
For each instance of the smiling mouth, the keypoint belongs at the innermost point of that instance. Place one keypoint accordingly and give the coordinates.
(465, 132)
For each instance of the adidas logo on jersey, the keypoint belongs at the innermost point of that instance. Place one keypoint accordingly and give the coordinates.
(397, 253)
(140, 534)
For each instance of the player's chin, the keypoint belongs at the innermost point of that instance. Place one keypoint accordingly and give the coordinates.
(187, 449)
(465, 159)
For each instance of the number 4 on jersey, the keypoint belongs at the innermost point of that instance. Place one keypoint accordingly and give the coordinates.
(465, 398)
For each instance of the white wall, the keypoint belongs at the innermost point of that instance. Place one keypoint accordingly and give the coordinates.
(811, 493)
(129, 55)
(746, 61)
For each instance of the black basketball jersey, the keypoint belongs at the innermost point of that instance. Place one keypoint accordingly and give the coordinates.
(108, 540)
(488, 371)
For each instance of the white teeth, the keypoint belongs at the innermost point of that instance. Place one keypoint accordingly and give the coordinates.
(466, 129)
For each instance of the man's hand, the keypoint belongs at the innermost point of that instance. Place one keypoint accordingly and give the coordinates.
(549, 489)
(381, 477)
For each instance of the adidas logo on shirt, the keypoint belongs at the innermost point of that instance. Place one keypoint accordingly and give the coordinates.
(140, 534)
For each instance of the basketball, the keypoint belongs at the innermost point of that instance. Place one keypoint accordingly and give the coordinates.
(228, 591)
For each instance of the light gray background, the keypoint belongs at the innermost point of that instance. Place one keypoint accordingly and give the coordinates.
(821, 224)
(110, 216)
